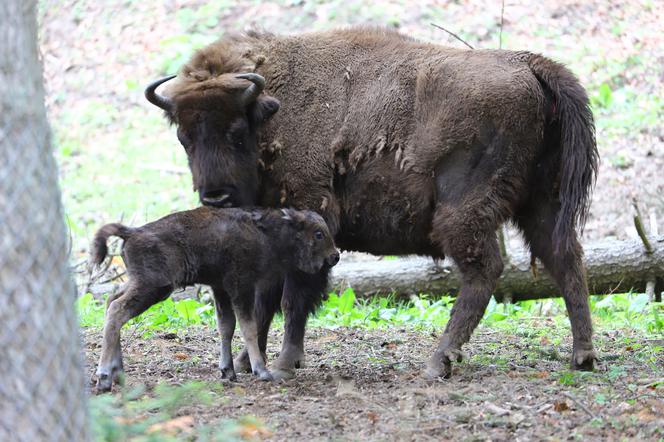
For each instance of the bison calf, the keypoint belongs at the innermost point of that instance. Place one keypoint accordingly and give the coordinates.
(239, 253)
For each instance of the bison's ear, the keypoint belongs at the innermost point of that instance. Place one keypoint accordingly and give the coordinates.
(263, 109)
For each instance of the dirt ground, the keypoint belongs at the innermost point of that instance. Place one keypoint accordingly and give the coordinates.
(365, 385)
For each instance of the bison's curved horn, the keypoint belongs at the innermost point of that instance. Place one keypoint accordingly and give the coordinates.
(156, 99)
(252, 92)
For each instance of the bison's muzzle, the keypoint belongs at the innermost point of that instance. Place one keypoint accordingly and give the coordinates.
(224, 197)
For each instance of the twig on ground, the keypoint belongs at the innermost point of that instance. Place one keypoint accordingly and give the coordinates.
(580, 405)
(452, 34)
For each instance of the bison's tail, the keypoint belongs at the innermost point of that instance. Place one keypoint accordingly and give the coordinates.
(99, 247)
(572, 119)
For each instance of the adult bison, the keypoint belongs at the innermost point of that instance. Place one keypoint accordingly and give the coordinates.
(404, 147)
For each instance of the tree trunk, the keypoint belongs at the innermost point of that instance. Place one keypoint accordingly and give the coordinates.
(612, 267)
(42, 394)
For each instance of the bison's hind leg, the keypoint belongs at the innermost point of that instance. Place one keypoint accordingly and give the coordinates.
(537, 221)
(470, 239)
(129, 303)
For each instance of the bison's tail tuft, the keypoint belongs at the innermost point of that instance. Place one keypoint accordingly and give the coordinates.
(99, 247)
(579, 158)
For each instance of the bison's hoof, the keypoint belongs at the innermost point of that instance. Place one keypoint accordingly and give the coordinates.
(289, 359)
(265, 376)
(440, 364)
(453, 355)
(104, 383)
(242, 363)
(279, 374)
(437, 370)
(228, 373)
(584, 360)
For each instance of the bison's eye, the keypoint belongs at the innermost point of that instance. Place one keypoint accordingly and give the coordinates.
(184, 139)
(318, 235)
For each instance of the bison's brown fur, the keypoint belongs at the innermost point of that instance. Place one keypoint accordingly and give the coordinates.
(406, 147)
(241, 254)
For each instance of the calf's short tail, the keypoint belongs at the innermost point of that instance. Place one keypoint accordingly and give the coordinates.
(99, 247)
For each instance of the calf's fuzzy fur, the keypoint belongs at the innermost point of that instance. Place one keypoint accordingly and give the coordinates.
(241, 254)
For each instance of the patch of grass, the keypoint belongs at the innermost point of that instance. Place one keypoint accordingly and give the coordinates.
(134, 415)
(166, 316)
(544, 319)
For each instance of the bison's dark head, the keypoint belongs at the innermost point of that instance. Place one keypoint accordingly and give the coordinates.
(217, 122)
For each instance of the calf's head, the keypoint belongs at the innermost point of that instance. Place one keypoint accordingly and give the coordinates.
(314, 247)
(217, 120)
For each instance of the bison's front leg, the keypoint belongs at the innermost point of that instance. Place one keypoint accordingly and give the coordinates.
(302, 294)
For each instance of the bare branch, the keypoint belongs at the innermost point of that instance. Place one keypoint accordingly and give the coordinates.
(502, 14)
(452, 34)
(640, 229)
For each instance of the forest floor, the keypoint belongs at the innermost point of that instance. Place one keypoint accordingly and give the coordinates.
(363, 384)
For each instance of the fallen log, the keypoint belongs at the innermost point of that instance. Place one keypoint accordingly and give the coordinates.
(612, 267)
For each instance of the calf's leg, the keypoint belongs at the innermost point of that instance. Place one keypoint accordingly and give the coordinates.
(250, 335)
(226, 328)
(134, 301)
(302, 294)
(265, 306)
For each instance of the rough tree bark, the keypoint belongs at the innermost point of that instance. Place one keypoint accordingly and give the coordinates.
(42, 395)
(612, 266)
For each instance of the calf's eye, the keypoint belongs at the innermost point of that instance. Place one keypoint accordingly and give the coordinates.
(318, 235)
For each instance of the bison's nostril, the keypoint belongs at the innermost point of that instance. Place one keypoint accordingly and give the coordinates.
(333, 259)
(218, 198)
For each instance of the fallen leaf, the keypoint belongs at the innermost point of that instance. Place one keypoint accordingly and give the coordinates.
(544, 340)
(253, 430)
(127, 420)
(182, 424)
(542, 374)
(560, 406)
(373, 417)
(646, 415)
(181, 356)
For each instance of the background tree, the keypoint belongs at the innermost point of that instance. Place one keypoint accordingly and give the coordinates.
(42, 393)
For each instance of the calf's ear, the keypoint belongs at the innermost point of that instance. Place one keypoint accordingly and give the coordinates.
(263, 109)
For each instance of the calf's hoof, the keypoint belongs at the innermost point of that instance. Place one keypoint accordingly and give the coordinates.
(242, 363)
(584, 360)
(228, 373)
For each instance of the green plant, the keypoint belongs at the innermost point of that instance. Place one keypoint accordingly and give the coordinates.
(137, 415)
